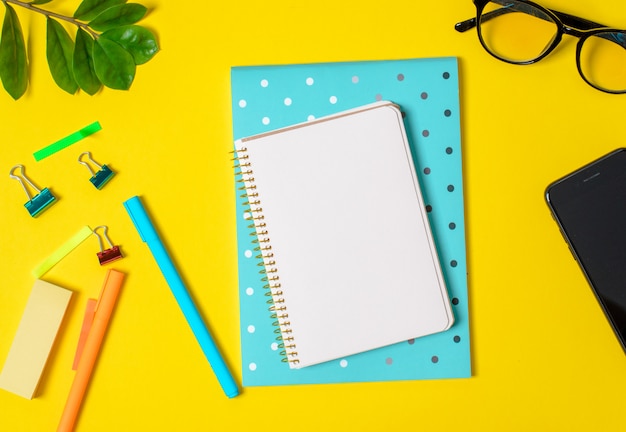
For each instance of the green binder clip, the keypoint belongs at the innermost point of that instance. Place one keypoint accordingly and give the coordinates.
(100, 178)
(40, 201)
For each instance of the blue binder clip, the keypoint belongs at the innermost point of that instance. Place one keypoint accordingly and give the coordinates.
(40, 201)
(100, 178)
(113, 253)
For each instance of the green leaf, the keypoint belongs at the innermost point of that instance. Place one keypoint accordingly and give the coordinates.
(59, 51)
(89, 9)
(138, 41)
(117, 16)
(13, 62)
(84, 71)
(114, 65)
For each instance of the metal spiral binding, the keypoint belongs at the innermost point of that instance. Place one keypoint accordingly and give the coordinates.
(263, 249)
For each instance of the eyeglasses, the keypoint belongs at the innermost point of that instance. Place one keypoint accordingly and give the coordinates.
(522, 32)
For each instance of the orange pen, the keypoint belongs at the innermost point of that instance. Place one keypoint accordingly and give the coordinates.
(102, 314)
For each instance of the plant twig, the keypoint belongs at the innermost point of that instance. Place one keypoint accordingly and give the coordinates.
(54, 15)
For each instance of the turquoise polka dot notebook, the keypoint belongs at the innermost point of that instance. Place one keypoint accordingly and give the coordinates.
(266, 98)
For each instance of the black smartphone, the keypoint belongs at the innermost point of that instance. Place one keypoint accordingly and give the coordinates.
(589, 206)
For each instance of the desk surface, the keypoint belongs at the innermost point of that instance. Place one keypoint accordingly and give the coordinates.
(544, 357)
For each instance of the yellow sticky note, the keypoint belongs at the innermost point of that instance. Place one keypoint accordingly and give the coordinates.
(35, 336)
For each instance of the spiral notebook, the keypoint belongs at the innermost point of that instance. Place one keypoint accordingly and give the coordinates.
(341, 227)
(266, 98)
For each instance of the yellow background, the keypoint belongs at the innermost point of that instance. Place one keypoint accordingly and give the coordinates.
(544, 357)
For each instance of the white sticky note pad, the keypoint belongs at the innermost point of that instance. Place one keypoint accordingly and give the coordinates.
(34, 339)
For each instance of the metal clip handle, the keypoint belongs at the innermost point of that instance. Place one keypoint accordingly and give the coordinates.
(90, 159)
(22, 178)
(105, 235)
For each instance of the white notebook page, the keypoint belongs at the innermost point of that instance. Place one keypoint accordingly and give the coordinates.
(350, 239)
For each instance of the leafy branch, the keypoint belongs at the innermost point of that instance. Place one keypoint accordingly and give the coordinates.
(105, 51)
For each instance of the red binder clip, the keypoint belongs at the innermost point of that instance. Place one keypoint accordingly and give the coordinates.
(106, 256)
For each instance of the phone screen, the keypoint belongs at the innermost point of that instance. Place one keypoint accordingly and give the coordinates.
(590, 206)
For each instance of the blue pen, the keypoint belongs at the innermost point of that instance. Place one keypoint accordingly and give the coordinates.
(148, 234)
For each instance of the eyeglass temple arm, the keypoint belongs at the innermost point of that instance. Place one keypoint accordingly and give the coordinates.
(567, 19)
(573, 23)
(576, 22)
(466, 25)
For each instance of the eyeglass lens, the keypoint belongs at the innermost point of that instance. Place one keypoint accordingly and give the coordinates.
(518, 32)
(603, 60)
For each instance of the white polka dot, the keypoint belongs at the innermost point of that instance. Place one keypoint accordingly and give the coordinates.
(288, 101)
(249, 291)
(266, 120)
(309, 81)
(333, 100)
(252, 366)
(343, 363)
(355, 79)
(247, 253)
(264, 83)
(243, 103)
(274, 346)
(247, 215)
(251, 329)
(311, 117)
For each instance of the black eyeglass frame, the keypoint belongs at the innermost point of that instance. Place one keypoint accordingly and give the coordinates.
(567, 24)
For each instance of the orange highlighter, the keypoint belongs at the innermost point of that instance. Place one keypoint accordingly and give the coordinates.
(102, 314)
